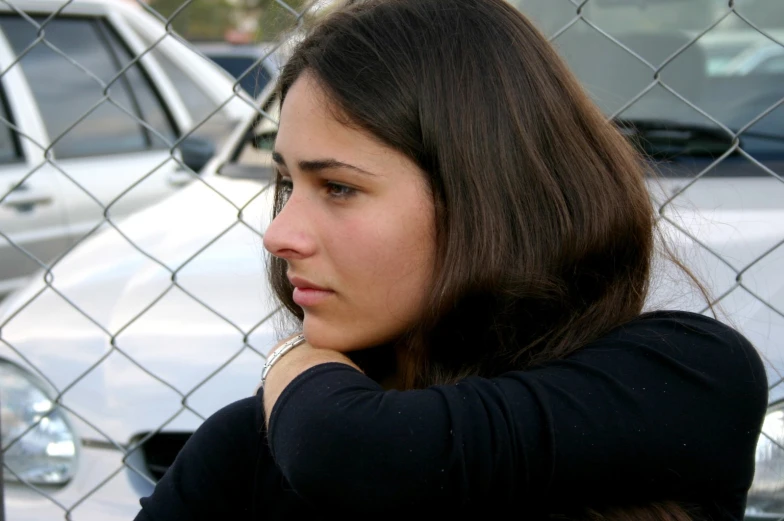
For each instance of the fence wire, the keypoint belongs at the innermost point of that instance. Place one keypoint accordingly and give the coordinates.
(186, 330)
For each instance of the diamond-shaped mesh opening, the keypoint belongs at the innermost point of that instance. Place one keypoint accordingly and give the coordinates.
(141, 304)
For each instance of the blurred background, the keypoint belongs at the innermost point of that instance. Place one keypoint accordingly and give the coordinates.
(135, 174)
(238, 22)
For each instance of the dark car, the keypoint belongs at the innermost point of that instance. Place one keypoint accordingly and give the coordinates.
(254, 65)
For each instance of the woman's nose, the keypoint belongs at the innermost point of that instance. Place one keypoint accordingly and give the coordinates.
(288, 236)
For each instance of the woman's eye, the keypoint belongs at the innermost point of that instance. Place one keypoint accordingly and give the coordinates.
(339, 191)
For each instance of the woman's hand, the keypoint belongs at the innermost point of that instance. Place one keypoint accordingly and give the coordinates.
(291, 365)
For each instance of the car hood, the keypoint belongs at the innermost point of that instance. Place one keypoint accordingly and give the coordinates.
(157, 322)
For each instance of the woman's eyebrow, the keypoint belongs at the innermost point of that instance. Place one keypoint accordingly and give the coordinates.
(316, 165)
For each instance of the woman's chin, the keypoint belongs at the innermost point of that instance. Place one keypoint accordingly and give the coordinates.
(343, 338)
(333, 338)
(346, 334)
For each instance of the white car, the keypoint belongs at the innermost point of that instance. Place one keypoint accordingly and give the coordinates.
(122, 360)
(147, 328)
(55, 190)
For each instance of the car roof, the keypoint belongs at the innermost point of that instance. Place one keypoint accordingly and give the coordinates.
(226, 48)
(74, 5)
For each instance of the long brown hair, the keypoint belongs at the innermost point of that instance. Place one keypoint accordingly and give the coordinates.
(544, 226)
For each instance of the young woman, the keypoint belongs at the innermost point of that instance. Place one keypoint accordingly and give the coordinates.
(466, 245)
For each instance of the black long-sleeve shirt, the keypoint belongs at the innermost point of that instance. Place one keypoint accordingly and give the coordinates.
(668, 406)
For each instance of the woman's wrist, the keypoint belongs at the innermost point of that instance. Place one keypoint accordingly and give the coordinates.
(274, 356)
(294, 363)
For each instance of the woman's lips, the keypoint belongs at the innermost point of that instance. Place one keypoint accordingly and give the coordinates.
(306, 297)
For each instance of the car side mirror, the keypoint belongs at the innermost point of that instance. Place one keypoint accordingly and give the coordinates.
(262, 140)
(196, 152)
(265, 141)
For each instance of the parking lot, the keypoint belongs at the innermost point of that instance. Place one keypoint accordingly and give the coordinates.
(135, 175)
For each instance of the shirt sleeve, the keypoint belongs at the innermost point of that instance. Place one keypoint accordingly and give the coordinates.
(671, 405)
(213, 475)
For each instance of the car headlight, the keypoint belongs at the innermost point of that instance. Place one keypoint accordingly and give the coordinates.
(42, 445)
(766, 496)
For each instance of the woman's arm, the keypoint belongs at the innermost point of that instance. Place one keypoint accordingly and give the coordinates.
(665, 404)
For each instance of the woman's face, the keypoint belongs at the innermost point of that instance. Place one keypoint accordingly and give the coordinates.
(357, 231)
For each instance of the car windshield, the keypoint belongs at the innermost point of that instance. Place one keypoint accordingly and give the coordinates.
(731, 74)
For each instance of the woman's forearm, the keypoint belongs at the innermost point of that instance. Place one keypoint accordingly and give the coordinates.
(342, 440)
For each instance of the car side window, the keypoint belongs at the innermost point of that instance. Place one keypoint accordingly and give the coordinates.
(208, 122)
(150, 103)
(10, 148)
(81, 54)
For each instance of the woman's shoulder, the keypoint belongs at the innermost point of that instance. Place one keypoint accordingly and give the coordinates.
(674, 316)
(214, 474)
(244, 415)
(680, 329)
(686, 340)
(239, 425)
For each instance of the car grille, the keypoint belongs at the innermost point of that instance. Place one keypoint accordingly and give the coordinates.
(160, 450)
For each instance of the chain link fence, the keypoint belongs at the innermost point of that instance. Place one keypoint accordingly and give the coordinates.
(139, 304)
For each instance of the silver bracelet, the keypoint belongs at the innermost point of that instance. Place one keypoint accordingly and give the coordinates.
(278, 353)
